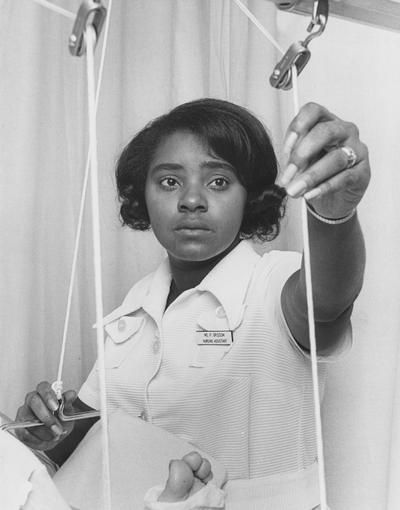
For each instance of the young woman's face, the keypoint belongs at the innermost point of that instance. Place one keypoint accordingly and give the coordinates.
(194, 199)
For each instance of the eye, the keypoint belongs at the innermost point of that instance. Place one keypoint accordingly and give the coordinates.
(169, 183)
(219, 183)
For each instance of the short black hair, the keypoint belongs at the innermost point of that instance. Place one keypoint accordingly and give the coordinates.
(232, 133)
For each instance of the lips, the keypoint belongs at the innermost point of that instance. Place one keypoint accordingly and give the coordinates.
(189, 226)
(192, 232)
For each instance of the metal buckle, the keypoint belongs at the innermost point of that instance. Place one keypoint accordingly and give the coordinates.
(298, 53)
(91, 12)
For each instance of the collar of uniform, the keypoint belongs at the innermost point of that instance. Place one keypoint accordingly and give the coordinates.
(229, 281)
(150, 294)
(157, 291)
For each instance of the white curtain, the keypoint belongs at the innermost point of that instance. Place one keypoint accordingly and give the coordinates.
(350, 74)
(161, 53)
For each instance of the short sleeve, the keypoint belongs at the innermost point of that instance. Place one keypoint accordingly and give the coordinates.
(282, 265)
(335, 353)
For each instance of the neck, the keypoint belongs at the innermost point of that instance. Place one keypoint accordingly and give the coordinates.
(187, 274)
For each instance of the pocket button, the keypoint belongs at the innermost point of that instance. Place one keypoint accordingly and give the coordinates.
(121, 325)
(220, 312)
(156, 346)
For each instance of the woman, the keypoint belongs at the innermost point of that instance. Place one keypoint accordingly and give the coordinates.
(213, 346)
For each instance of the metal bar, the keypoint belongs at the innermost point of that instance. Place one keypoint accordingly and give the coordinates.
(378, 13)
(12, 425)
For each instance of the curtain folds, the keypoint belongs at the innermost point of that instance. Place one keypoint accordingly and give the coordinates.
(162, 53)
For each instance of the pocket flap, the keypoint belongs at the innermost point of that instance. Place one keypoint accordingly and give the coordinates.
(123, 328)
(221, 320)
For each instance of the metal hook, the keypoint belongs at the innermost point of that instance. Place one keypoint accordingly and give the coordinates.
(298, 53)
(91, 12)
(318, 21)
(320, 14)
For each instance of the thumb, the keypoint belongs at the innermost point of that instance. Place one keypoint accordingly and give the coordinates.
(69, 399)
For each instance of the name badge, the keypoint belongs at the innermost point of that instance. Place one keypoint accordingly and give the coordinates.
(214, 337)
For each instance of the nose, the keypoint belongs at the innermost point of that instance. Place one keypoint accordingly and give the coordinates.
(192, 199)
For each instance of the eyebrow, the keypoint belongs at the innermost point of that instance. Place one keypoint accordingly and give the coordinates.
(210, 165)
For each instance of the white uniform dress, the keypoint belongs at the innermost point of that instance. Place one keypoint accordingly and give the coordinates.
(220, 369)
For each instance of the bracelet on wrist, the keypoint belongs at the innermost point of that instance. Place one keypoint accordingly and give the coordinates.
(330, 221)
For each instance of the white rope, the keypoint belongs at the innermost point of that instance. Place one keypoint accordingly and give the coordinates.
(309, 293)
(55, 8)
(313, 353)
(58, 384)
(91, 169)
(257, 23)
(90, 37)
(311, 326)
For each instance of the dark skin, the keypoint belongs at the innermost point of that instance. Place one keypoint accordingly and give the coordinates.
(188, 274)
(317, 169)
(336, 289)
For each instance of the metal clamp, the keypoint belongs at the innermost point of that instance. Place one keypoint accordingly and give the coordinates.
(91, 12)
(298, 53)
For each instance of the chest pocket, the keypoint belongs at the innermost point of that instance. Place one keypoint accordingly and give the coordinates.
(122, 334)
(207, 355)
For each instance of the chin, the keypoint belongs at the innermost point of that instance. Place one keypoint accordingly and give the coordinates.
(195, 253)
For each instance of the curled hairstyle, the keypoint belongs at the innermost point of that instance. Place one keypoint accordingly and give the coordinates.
(231, 133)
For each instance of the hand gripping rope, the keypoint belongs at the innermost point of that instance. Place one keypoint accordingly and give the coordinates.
(284, 77)
(85, 34)
(97, 12)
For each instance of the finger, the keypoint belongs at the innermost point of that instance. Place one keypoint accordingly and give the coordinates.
(42, 412)
(322, 138)
(193, 459)
(69, 399)
(331, 164)
(344, 180)
(208, 478)
(308, 116)
(48, 395)
(35, 437)
(204, 469)
(24, 413)
(179, 483)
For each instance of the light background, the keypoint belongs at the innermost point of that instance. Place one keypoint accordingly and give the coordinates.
(161, 53)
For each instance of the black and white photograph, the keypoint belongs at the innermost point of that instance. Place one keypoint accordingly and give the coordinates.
(200, 286)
